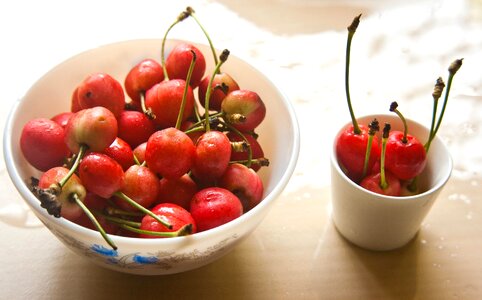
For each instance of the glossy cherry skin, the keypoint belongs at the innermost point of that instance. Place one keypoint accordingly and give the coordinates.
(101, 89)
(134, 127)
(174, 214)
(245, 183)
(351, 149)
(404, 160)
(179, 60)
(42, 144)
(170, 153)
(164, 99)
(214, 206)
(95, 127)
(256, 149)
(74, 101)
(178, 191)
(372, 183)
(62, 118)
(142, 77)
(246, 103)
(141, 185)
(101, 174)
(217, 94)
(121, 152)
(69, 208)
(212, 156)
(140, 152)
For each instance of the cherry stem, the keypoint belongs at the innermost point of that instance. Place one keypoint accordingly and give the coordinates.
(134, 204)
(453, 68)
(185, 230)
(136, 160)
(94, 221)
(182, 16)
(116, 211)
(186, 89)
(213, 50)
(196, 113)
(146, 110)
(82, 150)
(119, 221)
(436, 94)
(351, 31)
(374, 127)
(262, 161)
(393, 108)
(383, 179)
(250, 150)
(222, 59)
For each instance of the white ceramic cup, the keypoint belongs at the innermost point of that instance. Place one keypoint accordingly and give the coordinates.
(377, 222)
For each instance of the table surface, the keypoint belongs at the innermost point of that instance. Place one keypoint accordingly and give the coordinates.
(399, 50)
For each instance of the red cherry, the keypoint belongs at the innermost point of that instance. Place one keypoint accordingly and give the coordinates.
(222, 85)
(351, 150)
(140, 185)
(101, 174)
(74, 101)
(256, 149)
(69, 208)
(214, 206)
(179, 60)
(140, 152)
(101, 89)
(42, 144)
(247, 104)
(121, 152)
(245, 183)
(177, 216)
(170, 153)
(94, 127)
(164, 99)
(194, 135)
(213, 153)
(134, 127)
(405, 159)
(142, 77)
(178, 191)
(62, 118)
(372, 183)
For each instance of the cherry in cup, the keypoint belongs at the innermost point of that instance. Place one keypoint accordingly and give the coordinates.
(351, 143)
(383, 182)
(405, 154)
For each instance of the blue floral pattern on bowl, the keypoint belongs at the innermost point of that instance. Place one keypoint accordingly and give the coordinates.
(155, 260)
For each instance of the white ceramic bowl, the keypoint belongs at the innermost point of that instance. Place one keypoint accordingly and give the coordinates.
(379, 222)
(51, 94)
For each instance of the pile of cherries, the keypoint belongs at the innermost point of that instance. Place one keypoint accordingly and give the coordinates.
(151, 165)
(391, 167)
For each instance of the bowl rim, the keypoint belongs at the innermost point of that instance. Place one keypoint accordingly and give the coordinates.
(434, 188)
(33, 202)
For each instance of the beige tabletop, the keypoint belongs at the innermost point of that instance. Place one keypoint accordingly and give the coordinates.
(399, 50)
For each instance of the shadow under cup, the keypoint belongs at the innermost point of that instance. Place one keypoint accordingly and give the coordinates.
(377, 222)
